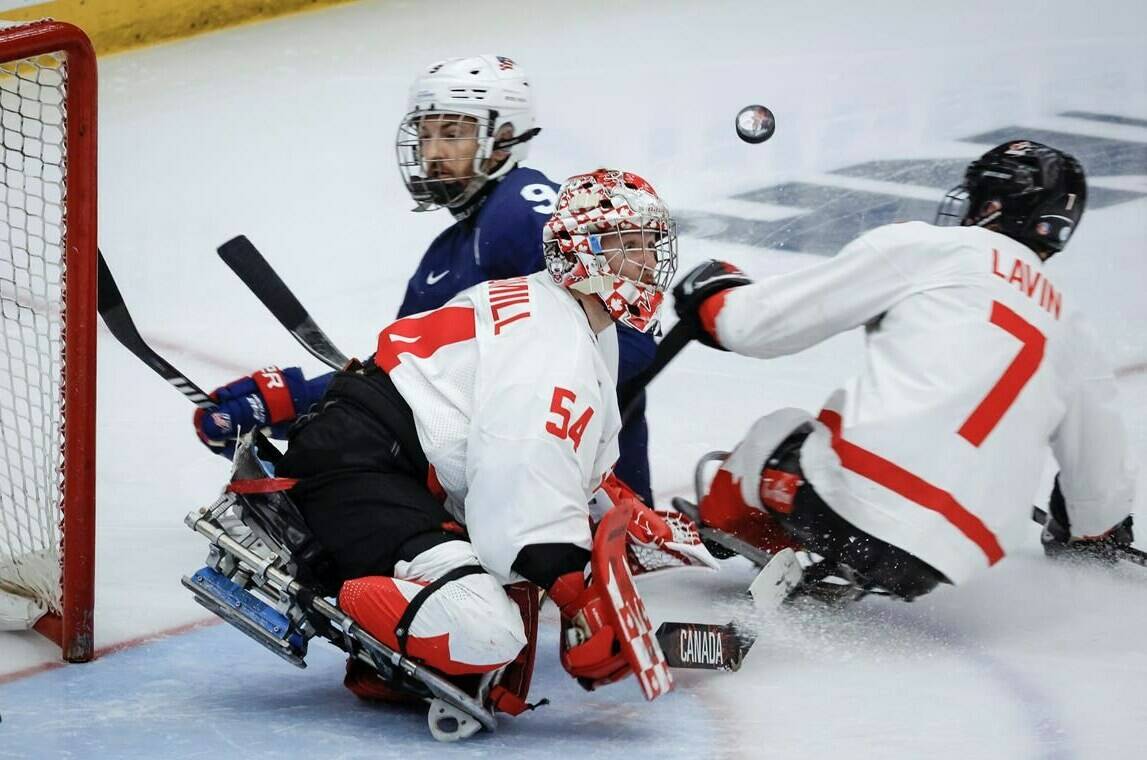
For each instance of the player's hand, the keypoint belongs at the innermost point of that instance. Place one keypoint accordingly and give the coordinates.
(696, 288)
(590, 650)
(1058, 542)
(268, 397)
(659, 539)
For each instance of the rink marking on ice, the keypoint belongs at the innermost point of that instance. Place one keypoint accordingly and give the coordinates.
(873, 185)
(1131, 369)
(197, 355)
(1106, 118)
(1048, 730)
(168, 346)
(111, 649)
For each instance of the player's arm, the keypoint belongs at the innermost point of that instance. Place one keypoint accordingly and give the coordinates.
(268, 398)
(790, 312)
(1095, 488)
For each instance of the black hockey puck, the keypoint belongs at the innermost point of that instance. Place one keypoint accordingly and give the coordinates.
(755, 124)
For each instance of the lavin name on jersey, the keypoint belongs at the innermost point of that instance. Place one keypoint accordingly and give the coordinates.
(1030, 281)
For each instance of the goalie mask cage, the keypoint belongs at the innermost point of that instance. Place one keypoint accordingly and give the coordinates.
(47, 332)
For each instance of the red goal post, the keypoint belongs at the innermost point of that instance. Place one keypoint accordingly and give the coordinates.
(48, 330)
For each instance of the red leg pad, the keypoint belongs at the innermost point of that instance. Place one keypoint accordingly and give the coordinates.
(377, 603)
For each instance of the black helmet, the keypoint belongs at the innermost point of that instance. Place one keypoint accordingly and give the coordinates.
(1023, 189)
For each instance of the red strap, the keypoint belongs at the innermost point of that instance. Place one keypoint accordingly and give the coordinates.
(261, 485)
(276, 395)
(912, 487)
(502, 700)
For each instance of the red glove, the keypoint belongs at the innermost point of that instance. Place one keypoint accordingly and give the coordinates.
(657, 538)
(590, 651)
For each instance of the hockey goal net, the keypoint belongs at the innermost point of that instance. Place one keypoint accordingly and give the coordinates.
(47, 332)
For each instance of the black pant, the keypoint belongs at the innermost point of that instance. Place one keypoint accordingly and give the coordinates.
(819, 529)
(363, 477)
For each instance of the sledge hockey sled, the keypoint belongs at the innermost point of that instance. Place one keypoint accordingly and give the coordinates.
(265, 575)
(810, 577)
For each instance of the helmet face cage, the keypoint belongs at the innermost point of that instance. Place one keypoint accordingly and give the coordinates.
(1023, 189)
(450, 133)
(612, 236)
(463, 99)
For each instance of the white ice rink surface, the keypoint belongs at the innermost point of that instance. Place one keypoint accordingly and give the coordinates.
(284, 131)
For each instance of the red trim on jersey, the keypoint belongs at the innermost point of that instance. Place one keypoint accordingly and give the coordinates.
(898, 480)
(710, 308)
(276, 395)
(423, 334)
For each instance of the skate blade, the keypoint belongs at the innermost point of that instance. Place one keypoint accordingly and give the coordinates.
(252, 616)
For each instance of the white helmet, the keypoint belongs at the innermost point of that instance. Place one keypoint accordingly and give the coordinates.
(489, 90)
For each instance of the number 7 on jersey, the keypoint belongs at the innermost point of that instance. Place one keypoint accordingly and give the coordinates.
(1004, 393)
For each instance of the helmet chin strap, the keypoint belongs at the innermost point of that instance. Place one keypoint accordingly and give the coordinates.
(517, 139)
(594, 285)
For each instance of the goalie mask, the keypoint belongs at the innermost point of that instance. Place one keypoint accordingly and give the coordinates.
(468, 121)
(1023, 189)
(612, 236)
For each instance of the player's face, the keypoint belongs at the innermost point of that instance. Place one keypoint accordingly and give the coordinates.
(631, 254)
(447, 144)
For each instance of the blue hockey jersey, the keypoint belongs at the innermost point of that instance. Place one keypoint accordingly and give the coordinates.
(501, 239)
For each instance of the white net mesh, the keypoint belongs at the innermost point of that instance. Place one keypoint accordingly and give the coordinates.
(32, 187)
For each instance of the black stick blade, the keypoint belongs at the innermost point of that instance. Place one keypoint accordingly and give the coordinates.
(704, 646)
(245, 260)
(109, 303)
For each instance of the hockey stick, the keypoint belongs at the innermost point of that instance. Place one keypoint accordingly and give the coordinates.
(676, 339)
(707, 646)
(1128, 553)
(244, 258)
(111, 307)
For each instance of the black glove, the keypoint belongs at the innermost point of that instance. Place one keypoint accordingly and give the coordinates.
(702, 282)
(1058, 542)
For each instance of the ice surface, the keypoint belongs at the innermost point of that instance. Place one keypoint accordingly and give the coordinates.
(284, 131)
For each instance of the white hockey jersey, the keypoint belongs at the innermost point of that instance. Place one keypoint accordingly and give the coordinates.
(515, 405)
(976, 361)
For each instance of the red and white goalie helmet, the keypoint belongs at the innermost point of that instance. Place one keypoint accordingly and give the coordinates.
(612, 236)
